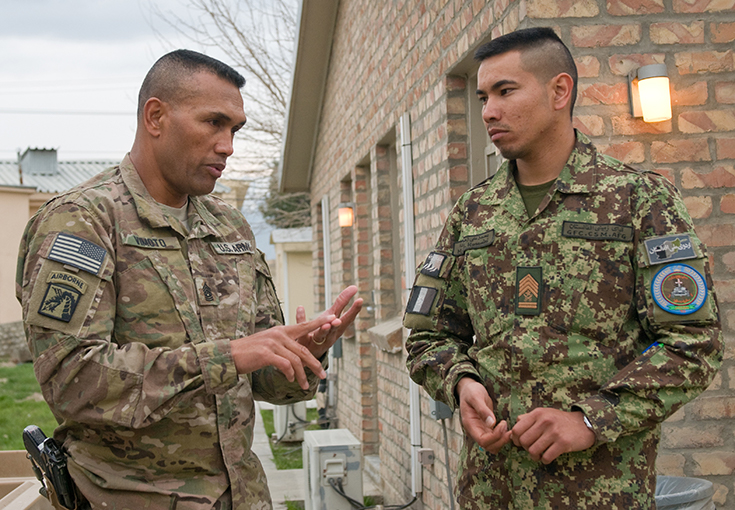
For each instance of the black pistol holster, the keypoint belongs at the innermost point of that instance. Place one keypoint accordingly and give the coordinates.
(49, 464)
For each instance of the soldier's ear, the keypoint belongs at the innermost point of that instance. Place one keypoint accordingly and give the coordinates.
(561, 87)
(153, 112)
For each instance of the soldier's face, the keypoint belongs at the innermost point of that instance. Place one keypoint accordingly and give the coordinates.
(516, 108)
(196, 137)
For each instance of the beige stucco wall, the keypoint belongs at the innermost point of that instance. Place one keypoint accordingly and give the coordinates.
(14, 209)
(293, 279)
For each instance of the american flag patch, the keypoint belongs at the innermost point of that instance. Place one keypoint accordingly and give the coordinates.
(77, 252)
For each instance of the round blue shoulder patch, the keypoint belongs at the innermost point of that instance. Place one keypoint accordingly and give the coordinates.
(679, 289)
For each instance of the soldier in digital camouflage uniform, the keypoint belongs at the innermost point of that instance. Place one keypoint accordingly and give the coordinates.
(152, 317)
(568, 326)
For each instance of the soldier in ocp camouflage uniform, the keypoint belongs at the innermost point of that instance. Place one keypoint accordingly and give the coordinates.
(567, 327)
(153, 326)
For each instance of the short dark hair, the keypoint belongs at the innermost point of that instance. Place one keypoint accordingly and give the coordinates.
(543, 53)
(165, 77)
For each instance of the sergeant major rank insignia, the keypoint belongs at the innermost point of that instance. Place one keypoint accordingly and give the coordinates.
(62, 295)
(529, 289)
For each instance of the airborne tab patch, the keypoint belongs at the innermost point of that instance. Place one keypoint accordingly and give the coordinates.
(669, 248)
(597, 232)
(239, 248)
(421, 300)
(529, 289)
(473, 242)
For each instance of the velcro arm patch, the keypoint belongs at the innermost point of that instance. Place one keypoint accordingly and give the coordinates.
(423, 302)
(679, 293)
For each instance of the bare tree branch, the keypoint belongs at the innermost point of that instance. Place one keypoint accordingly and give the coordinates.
(257, 36)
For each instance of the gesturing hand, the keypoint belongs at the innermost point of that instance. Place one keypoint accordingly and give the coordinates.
(547, 433)
(318, 341)
(478, 419)
(278, 346)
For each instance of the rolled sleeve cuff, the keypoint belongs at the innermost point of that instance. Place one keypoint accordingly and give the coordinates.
(218, 367)
(457, 372)
(602, 417)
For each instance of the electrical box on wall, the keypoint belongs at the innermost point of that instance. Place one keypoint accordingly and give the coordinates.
(288, 421)
(336, 455)
(439, 410)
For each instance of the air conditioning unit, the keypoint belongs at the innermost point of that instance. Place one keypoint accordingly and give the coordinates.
(336, 455)
(289, 421)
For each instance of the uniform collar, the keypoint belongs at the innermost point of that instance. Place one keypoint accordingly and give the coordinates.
(579, 175)
(203, 222)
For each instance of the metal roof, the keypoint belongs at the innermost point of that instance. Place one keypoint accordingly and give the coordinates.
(70, 173)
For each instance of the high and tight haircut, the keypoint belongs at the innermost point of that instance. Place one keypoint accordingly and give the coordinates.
(164, 79)
(543, 53)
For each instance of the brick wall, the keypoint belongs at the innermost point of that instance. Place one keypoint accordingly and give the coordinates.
(405, 55)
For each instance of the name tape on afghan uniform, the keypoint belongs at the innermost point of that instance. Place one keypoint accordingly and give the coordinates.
(597, 232)
(473, 242)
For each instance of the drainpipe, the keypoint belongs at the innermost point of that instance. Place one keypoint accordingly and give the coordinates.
(410, 271)
(326, 247)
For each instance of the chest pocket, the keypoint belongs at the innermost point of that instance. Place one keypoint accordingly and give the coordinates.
(590, 291)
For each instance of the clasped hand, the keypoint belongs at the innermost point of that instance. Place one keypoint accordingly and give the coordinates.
(544, 432)
(293, 348)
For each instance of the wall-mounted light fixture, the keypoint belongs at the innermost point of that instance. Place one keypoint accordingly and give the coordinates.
(648, 93)
(346, 215)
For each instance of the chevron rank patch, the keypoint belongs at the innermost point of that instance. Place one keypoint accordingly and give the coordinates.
(421, 300)
(207, 291)
(529, 289)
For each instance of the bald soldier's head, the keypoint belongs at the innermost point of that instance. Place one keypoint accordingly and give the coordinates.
(171, 71)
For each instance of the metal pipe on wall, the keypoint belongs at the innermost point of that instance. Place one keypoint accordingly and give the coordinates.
(410, 271)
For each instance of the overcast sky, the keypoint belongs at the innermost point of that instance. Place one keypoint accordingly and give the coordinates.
(70, 72)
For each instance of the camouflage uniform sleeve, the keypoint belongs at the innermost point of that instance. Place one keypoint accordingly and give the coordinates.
(269, 384)
(84, 373)
(441, 330)
(685, 347)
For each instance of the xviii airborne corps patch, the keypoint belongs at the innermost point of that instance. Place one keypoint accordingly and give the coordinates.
(59, 302)
(62, 295)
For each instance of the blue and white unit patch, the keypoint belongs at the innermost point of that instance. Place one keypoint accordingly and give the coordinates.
(679, 289)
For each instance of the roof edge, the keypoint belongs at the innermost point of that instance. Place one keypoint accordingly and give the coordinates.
(317, 19)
